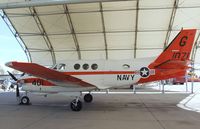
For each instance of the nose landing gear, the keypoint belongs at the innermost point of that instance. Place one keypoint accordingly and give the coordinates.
(24, 100)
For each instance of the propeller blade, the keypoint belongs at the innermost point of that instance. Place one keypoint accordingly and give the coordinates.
(23, 74)
(12, 76)
(17, 91)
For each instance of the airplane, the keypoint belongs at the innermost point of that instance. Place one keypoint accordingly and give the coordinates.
(74, 77)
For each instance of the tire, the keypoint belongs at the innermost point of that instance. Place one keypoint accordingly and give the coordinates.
(88, 98)
(25, 100)
(76, 106)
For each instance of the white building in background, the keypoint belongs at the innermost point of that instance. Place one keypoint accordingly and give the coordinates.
(2, 71)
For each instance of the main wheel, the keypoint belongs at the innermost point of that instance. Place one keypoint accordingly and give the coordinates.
(76, 105)
(25, 100)
(88, 98)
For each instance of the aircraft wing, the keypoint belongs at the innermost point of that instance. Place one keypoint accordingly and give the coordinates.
(48, 74)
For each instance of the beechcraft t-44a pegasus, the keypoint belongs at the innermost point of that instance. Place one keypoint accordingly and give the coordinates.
(78, 76)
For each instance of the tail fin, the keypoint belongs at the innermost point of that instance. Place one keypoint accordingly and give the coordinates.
(178, 50)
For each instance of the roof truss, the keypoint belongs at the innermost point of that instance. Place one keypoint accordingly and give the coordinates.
(108, 29)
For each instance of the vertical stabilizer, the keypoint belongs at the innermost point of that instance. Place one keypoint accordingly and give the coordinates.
(179, 49)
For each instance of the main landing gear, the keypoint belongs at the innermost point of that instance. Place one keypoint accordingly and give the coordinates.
(23, 100)
(88, 98)
(76, 104)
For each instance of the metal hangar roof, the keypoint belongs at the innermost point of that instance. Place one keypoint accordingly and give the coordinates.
(53, 32)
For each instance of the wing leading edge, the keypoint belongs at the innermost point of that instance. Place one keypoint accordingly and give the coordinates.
(46, 73)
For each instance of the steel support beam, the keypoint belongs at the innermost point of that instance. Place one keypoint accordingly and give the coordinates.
(136, 29)
(69, 19)
(67, 50)
(16, 35)
(16, 14)
(104, 29)
(171, 22)
(47, 3)
(195, 47)
(36, 3)
(95, 32)
(44, 33)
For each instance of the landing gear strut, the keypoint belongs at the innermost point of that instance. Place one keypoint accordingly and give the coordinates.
(76, 105)
(24, 99)
(88, 98)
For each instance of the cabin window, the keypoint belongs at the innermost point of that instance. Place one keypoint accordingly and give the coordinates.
(85, 66)
(126, 66)
(77, 66)
(94, 66)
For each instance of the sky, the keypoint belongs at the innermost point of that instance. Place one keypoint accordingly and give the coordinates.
(10, 50)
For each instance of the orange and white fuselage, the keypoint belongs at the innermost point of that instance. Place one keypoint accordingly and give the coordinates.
(108, 74)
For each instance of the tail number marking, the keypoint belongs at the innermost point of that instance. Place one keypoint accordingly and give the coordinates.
(180, 55)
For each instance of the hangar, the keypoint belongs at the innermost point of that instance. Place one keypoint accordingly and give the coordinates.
(52, 32)
(95, 29)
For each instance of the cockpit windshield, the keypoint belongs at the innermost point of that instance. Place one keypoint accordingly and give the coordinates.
(60, 66)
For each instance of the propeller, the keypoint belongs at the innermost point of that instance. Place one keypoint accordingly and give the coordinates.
(17, 88)
(12, 76)
(23, 74)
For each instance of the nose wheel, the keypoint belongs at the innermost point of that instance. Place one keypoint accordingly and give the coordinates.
(76, 105)
(24, 100)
